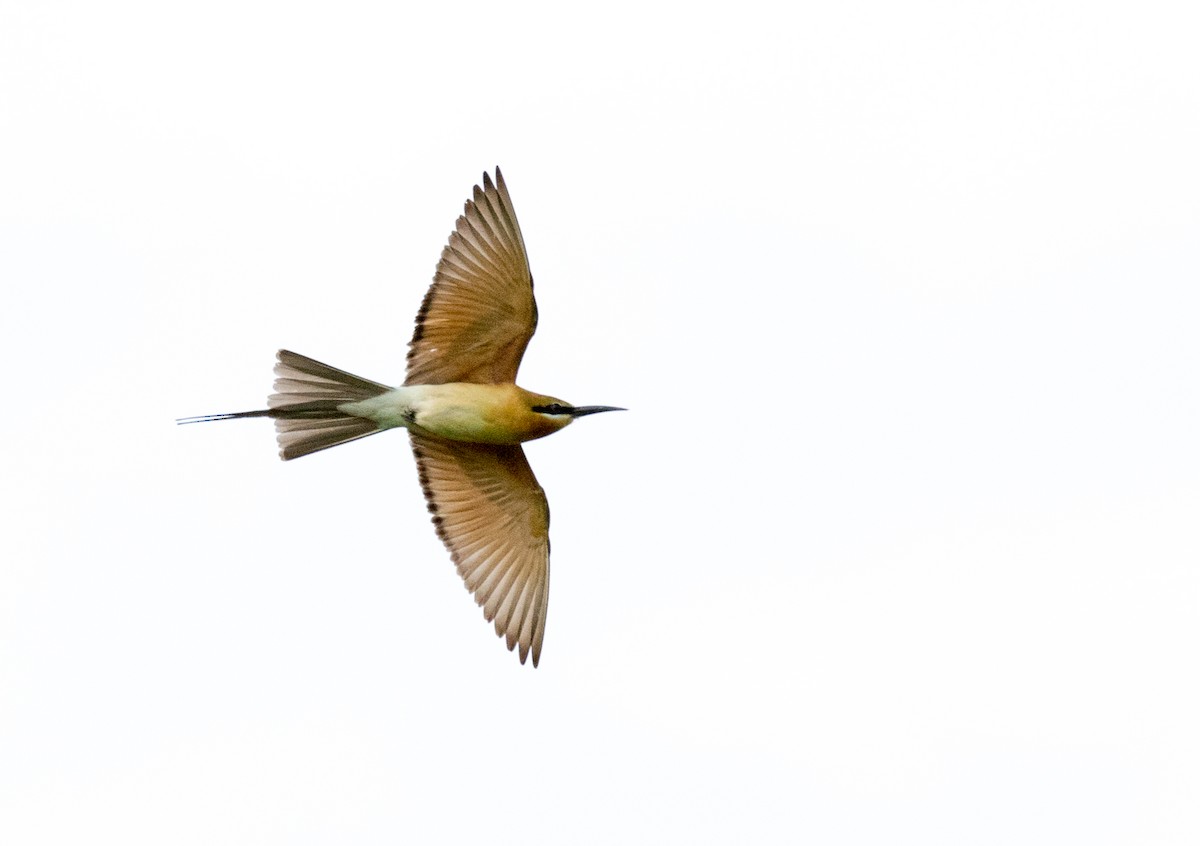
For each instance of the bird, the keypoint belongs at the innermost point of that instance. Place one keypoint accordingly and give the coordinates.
(465, 415)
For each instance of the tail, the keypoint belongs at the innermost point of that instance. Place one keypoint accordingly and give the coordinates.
(305, 406)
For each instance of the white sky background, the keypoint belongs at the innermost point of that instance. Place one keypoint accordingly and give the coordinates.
(899, 542)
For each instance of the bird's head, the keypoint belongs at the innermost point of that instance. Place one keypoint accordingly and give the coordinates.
(555, 414)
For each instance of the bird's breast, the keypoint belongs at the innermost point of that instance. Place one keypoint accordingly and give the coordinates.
(461, 411)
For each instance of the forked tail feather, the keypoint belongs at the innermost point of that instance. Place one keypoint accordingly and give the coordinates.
(305, 406)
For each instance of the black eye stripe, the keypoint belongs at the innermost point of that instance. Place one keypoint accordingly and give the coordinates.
(552, 408)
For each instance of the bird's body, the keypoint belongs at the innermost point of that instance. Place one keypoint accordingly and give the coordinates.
(463, 411)
(465, 415)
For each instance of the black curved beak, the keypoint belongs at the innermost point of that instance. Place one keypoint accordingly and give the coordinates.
(584, 410)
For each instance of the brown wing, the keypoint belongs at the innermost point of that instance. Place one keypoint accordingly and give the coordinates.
(479, 313)
(492, 515)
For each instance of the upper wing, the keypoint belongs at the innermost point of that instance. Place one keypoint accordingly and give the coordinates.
(479, 314)
(492, 515)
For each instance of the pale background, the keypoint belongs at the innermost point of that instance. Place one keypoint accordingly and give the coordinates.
(899, 542)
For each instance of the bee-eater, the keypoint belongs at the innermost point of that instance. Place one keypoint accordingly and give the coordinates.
(464, 414)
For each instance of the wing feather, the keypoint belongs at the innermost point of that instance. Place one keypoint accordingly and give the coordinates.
(479, 314)
(492, 515)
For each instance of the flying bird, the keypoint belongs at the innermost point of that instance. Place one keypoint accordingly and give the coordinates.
(465, 415)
